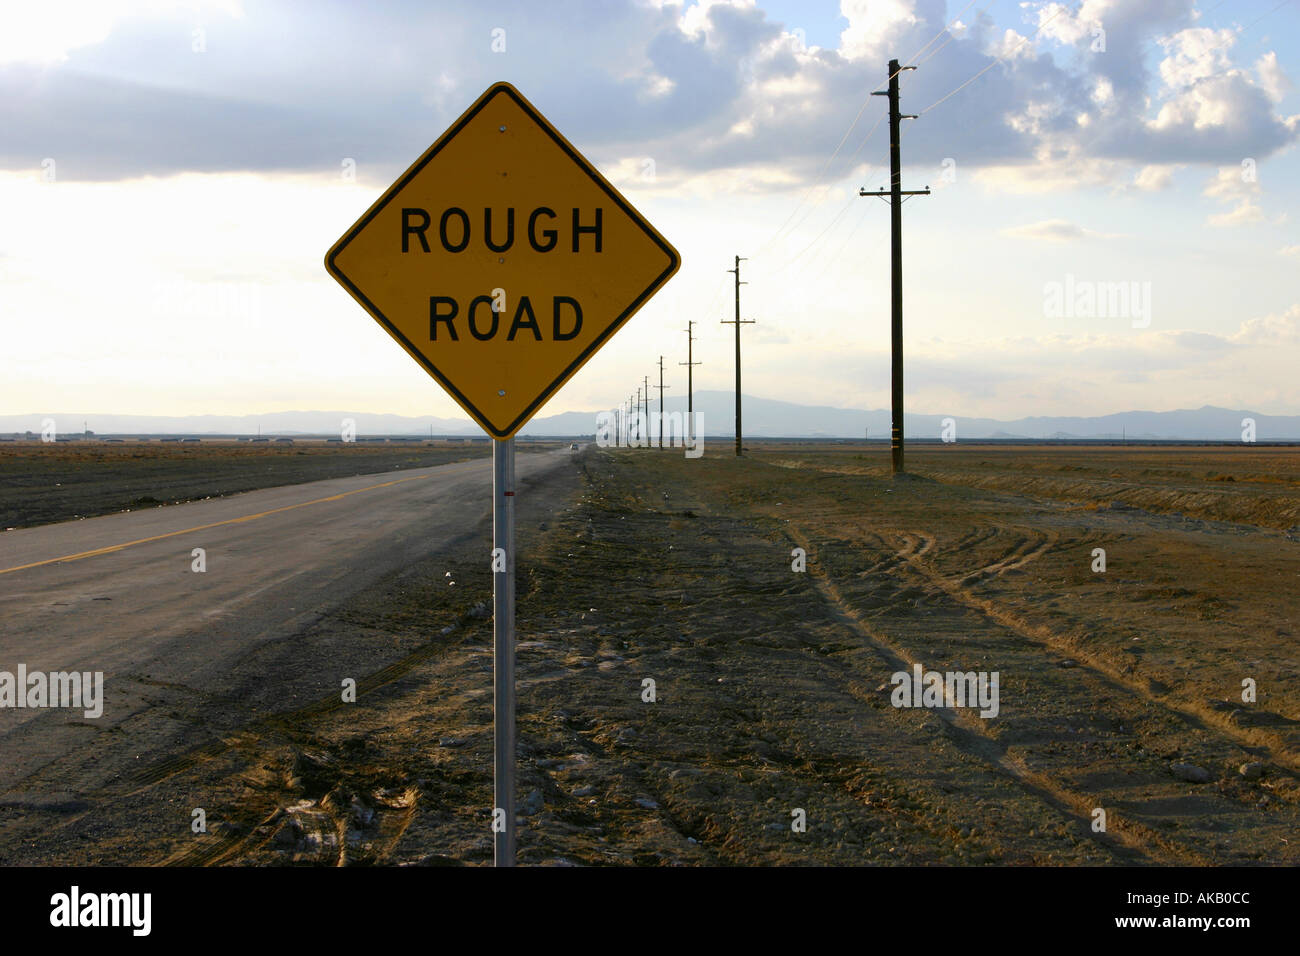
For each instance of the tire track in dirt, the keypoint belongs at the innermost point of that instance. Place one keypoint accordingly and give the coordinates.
(877, 787)
(1200, 808)
(260, 736)
(1278, 748)
(218, 849)
(687, 822)
(1127, 838)
(1023, 553)
(1152, 792)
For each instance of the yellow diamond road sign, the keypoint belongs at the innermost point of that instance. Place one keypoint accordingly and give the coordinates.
(502, 260)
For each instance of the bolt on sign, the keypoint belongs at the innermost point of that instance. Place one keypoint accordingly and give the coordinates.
(502, 260)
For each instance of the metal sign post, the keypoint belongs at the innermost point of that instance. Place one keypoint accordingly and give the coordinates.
(503, 651)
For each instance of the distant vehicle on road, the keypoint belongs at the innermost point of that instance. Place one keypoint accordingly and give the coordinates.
(573, 446)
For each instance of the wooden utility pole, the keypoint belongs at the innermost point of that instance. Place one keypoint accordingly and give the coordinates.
(689, 430)
(646, 381)
(661, 386)
(738, 323)
(896, 194)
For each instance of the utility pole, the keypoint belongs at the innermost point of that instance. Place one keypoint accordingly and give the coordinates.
(646, 380)
(896, 194)
(661, 386)
(638, 418)
(689, 430)
(738, 323)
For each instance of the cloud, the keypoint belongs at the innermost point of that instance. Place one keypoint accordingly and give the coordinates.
(1052, 172)
(1139, 348)
(1239, 186)
(1272, 79)
(1056, 22)
(716, 87)
(1154, 178)
(876, 26)
(1194, 54)
(1218, 116)
(1204, 341)
(48, 32)
(1243, 214)
(1271, 329)
(1054, 230)
(1189, 368)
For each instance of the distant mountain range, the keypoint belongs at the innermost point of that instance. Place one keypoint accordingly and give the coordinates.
(763, 418)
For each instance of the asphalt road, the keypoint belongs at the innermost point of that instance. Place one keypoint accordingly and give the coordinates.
(119, 594)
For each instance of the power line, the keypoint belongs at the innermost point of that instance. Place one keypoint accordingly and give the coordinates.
(717, 293)
(997, 59)
(953, 36)
(816, 186)
(942, 32)
(826, 231)
(870, 180)
(830, 260)
(849, 166)
(840, 145)
(1237, 34)
(786, 263)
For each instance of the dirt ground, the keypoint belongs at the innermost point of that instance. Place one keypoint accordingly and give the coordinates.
(1120, 691)
(42, 483)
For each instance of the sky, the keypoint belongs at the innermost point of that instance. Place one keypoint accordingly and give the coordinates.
(1113, 222)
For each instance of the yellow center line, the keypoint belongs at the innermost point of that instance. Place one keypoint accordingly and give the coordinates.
(204, 527)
